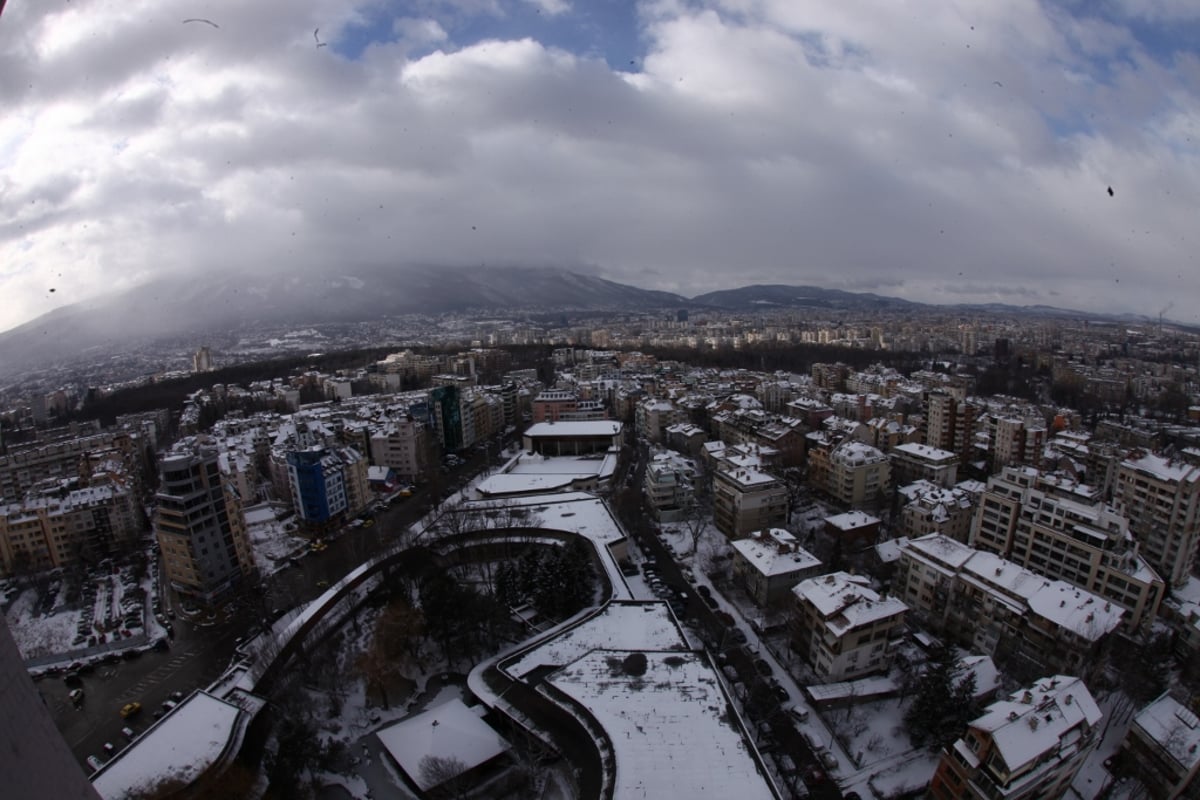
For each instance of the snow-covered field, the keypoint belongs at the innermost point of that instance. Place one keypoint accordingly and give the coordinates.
(37, 634)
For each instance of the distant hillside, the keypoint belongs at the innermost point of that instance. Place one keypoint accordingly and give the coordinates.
(764, 297)
(174, 306)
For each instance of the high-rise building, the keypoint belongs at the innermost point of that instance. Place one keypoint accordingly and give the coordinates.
(200, 527)
(1161, 498)
(202, 360)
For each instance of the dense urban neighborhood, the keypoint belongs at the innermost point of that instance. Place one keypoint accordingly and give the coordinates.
(957, 563)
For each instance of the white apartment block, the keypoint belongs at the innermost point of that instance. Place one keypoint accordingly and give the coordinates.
(843, 628)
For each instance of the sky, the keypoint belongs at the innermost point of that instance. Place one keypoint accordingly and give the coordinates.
(937, 151)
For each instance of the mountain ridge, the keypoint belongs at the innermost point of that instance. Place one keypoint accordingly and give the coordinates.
(178, 306)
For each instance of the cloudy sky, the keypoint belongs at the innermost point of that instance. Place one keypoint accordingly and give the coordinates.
(938, 151)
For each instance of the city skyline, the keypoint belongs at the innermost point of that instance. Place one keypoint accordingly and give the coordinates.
(1023, 153)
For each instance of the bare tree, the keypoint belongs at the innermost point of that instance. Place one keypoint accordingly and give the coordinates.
(399, 635)
(444, 776)
(696, 516)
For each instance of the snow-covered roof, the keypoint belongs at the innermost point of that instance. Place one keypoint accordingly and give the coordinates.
(924, 452)
(847, 601)
(1174, 728)
(669, 727)
(1024, 731)
(621, 626)
(584, 427)
(179, 749)
(747, 477)
(851, 520)
(776, 553)
(888, 551)
(1163, 468)
(531, 472)
(450, 731)
(941, 550)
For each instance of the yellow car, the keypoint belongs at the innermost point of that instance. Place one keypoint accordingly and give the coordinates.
(368, 523)
(130, 709)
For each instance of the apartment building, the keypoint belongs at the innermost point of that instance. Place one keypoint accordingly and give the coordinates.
(1028, 746)
(932, 509)
(404, 446)
(552, 405)
(843, 628)
(951, 423)
(200, 527)
(25, 466)
(746, 499)
(1061, 529)
(769, 563)
(1161, 498)
(993, 606)
(1162, 748)
(653, 415)
(668, 486)
(58, 528)
(318, 480)
(858, 475)
(913, 462)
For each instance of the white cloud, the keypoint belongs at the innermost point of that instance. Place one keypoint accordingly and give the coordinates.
(772, 141)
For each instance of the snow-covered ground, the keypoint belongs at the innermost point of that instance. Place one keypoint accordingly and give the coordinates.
(115, 613)
(669, 726)
(272, 538)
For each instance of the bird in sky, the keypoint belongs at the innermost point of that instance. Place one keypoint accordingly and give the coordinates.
(316, 38)
(206, 21)
(1110, 192)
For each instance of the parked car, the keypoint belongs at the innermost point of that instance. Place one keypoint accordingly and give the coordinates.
(128, 732)
(95, 762)
(76, 696)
